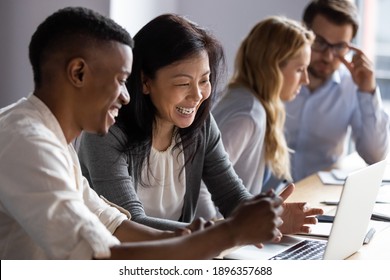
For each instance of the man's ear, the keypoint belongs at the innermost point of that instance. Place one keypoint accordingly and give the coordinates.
(76, 71)
(145, 85)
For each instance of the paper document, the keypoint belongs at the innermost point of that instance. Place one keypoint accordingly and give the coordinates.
(323, 229)
(328, 179)
(382, 211)
(384, 194)
(338, 176)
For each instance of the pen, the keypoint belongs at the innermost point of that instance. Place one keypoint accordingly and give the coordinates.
(369, 236)
(325, 218)
(380, 217)
(330, 202)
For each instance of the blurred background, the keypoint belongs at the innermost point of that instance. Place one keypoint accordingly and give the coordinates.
(229, 20)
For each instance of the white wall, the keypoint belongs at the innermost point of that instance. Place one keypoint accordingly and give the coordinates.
(133, 14)
(18, 21)
(230, 21)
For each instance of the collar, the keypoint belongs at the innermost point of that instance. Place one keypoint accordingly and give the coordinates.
(48, 118)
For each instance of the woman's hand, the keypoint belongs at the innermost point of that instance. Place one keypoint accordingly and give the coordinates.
(297, 216)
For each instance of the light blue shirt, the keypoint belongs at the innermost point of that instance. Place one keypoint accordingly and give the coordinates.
(317, 124)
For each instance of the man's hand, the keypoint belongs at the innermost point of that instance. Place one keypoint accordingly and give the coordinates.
(297, 215)
(257, 220)
(362, 70)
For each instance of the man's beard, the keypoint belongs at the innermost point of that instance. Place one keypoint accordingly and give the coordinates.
(316, 74)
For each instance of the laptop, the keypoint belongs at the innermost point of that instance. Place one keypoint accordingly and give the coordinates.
(349, 227)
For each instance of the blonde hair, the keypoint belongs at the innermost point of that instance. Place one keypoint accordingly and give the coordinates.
(267, 48)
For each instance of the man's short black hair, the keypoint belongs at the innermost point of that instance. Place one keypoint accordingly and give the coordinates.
(69, 29)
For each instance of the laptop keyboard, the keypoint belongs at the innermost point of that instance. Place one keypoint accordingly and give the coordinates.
(305, 250)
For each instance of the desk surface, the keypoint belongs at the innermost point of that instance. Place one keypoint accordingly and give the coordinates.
(313, 191)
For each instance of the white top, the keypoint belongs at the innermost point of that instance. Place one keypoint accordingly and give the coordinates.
(162, 194)
(47, 210)
(241, 119)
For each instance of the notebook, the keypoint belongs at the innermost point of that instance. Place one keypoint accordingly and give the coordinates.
(349, 226)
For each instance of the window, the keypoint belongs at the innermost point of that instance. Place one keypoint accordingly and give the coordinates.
(374, 38)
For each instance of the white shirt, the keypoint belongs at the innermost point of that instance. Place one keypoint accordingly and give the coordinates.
(317, 124)
(162, 194)
(241, 118)
(47, 210)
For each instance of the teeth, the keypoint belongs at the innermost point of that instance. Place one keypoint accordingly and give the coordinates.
(114, 112)
(185, 111)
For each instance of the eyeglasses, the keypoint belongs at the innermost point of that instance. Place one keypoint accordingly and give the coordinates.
(321, 45)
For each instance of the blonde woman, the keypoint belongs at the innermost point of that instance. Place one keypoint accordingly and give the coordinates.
(270, 67)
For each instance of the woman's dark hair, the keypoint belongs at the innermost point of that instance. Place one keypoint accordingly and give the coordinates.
(337, 11)
(165, 40)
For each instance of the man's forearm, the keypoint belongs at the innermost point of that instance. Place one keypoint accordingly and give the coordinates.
(204, 244)
(130, 231)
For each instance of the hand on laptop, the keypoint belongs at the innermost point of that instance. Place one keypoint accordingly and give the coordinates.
(297, 216)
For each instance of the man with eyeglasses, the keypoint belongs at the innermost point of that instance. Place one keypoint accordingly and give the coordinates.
(342, 94)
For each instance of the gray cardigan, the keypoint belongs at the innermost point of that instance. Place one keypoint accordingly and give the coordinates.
(107, 170)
